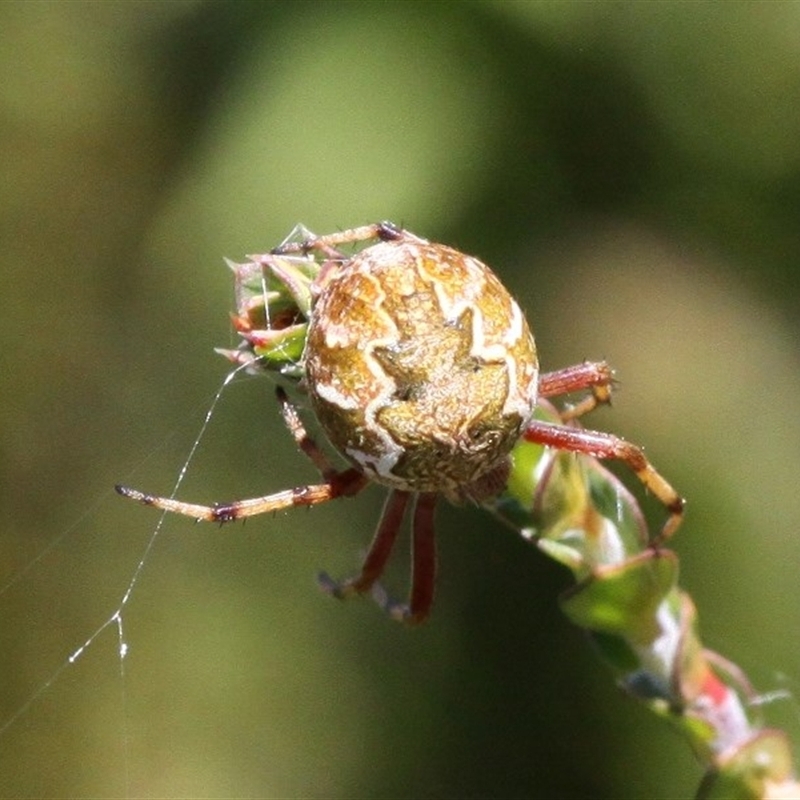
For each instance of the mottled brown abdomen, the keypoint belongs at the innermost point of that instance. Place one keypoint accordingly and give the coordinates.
(421, 367)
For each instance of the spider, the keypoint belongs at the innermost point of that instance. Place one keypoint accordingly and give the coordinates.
(423, 374)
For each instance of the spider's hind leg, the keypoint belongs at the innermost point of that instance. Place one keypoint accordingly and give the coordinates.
(423, 575)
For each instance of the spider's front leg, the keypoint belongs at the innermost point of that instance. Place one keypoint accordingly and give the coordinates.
(327, 245)
(607, 446)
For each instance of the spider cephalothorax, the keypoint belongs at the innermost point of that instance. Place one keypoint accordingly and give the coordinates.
(422, 373)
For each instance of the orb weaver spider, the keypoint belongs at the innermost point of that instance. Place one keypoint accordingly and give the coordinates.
(423, 374)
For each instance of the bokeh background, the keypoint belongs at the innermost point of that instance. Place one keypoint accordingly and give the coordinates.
(631, 170)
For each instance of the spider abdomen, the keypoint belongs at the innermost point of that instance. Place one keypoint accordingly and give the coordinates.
(421, 367)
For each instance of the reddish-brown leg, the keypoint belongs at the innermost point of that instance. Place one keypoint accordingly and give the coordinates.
(605, 445)
(595, 376)
(379, 551)
(423, 571)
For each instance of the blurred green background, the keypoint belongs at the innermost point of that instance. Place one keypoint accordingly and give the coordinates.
(631, 170)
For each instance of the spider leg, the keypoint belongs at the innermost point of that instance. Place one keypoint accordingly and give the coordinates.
(384, 231)
(423, 568)
(341, 484)
(300, 435)
(597, 376)
(379, 551)
(607, 446)
(423, 575)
